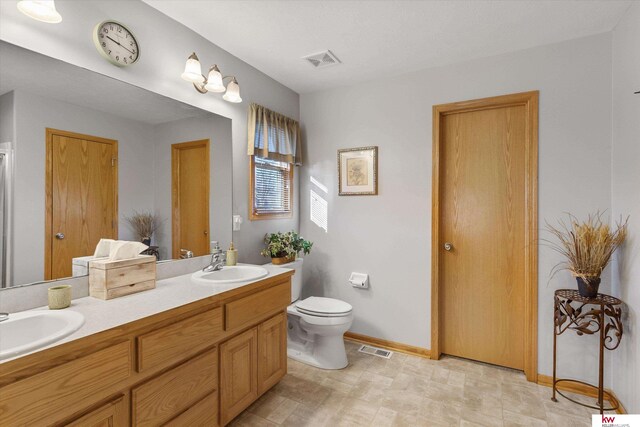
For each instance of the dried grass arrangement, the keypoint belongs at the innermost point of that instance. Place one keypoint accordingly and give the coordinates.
(588, 246)
(144, 224)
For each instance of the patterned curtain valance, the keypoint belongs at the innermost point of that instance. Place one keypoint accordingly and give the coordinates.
(273, 136)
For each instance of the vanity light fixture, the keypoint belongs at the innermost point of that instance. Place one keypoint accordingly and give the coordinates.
(214, 82)
(40, 10)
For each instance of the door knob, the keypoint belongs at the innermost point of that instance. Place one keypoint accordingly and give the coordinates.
(60, 236)
(448, 246)
(205, 232)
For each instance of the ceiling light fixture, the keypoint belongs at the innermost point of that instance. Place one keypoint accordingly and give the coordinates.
(214, 82)
(42, 10)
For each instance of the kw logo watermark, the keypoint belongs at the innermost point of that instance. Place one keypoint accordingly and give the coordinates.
(615, 420)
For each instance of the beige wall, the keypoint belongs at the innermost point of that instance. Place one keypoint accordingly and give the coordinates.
(626, 201)
(389, 235)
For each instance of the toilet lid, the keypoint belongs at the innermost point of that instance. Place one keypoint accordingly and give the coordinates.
(319, 306)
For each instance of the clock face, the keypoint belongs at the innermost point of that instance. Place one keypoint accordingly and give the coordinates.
(116, 43)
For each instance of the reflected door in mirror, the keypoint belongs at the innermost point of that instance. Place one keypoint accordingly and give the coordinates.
(190, 197)
(82, 198)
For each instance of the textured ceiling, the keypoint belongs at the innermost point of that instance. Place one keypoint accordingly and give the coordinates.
(382, 38)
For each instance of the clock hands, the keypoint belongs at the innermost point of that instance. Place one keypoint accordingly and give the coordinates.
(118, 43)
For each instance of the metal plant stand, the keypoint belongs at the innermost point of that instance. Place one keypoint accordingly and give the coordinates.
(602, 315)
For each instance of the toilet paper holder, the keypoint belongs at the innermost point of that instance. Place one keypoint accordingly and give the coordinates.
(359, 280)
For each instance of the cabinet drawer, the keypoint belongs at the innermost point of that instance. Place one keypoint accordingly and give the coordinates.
(66, 389)
(250, 309)
(203, 413)
(112, 414)
(162, 398)
(179, 341)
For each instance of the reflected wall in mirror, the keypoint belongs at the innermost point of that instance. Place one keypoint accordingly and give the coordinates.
(80, 152)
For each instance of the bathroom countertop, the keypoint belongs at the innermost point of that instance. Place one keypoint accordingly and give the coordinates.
(101, 315)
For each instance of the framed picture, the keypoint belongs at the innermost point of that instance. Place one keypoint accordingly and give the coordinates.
(358, 171)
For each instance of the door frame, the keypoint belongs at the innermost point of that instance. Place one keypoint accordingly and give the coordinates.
(530, 101)
(175, 190)
(48, 188)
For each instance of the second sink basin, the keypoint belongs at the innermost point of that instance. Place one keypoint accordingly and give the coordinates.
(30, 330)
(231, 274)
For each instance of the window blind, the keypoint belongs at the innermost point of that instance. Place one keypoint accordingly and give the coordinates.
(272, 186)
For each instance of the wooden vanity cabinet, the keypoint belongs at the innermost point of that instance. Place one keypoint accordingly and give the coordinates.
(196, 365)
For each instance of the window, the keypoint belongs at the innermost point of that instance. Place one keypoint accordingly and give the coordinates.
(271, 189)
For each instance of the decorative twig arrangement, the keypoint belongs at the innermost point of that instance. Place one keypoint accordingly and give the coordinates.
(587, 245)
(143, 224)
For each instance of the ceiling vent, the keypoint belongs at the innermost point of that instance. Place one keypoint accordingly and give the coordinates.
(322, 59)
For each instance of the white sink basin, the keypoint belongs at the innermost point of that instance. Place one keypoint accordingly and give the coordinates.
(30, 330)
(232, 274)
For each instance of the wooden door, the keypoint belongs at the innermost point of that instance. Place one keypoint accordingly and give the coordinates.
(238, 374)
(272, 352)
(81, 198)
(485, 228)
(190, 197)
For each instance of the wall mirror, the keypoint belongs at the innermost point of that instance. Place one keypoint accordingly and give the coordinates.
(81, 152)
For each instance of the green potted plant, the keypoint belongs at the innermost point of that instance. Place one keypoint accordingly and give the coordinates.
(283, 247)
(588, 246)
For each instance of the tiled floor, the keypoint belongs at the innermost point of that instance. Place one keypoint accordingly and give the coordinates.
(410, 391)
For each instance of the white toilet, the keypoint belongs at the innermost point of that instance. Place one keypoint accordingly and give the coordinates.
(316, 326)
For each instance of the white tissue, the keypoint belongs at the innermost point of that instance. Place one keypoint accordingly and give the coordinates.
(118, 249)
(103, 248)
(125, 250)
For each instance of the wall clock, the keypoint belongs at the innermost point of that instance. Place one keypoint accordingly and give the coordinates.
(116, 43)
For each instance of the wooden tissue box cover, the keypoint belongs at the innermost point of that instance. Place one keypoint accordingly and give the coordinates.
(113, 279)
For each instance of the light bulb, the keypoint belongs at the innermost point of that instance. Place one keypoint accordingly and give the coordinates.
(192, 71)
(42, 10)
(233, 92)
(214, 81)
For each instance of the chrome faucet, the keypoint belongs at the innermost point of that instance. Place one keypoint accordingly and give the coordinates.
(218, 260)
(4, 316)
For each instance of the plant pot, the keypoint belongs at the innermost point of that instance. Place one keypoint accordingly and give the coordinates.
(283, 260)
(147, 241)
(588, 288)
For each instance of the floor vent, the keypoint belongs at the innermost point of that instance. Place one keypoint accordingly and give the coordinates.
(375, 351)
(322, 59)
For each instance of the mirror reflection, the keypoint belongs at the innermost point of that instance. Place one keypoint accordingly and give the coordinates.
(85, 157)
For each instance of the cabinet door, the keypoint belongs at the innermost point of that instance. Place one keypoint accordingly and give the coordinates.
(238, 374)
(272, 352)
(112, 414)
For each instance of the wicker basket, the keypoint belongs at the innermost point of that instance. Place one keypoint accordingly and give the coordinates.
(283, 260)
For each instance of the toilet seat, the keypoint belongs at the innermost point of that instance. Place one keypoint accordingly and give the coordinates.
(324, 307)
(320, 320)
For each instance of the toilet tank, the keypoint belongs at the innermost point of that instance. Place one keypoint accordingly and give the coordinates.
(296, 280)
